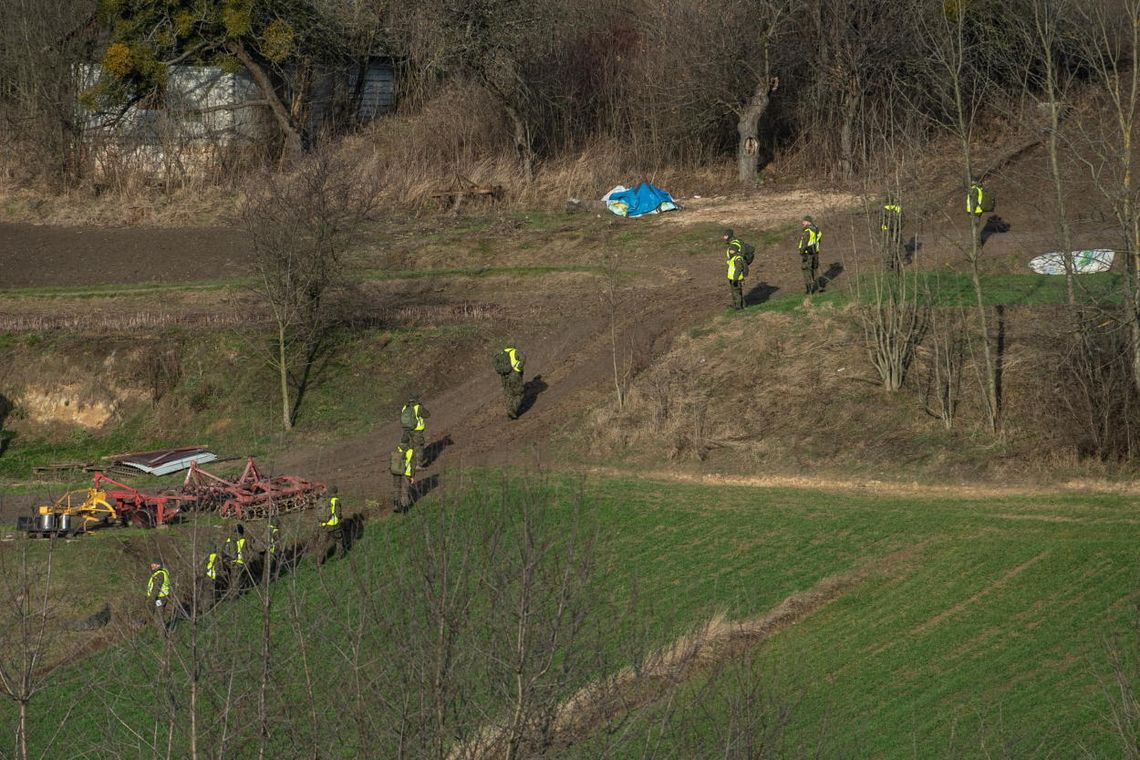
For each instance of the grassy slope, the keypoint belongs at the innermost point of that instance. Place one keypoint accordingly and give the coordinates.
(992, 633)
(226, 398)
(1000, 609)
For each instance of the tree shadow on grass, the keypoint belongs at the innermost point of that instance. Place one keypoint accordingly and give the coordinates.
(319, 359)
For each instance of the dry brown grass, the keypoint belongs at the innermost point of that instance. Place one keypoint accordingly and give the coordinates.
(460, 137)
(791, 396)
(194, 205)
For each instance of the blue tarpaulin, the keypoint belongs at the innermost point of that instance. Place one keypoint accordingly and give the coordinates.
(643, 199)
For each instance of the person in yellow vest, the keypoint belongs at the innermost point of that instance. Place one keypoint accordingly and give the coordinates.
(413, 418)
(158, 586)
(236, 553)
(403, 469)
(976, 199)
(809, 254)
(273, 537)
(890, 227)
(334, 526)
(217, 573)
(737, 267)
(333, 520)
(509, 363)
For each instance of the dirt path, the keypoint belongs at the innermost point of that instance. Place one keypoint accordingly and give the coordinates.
(935, 490)
(569, 359)
(566, 367)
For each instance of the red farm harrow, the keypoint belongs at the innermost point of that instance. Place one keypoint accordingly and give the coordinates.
(141, 509)
(251, 495)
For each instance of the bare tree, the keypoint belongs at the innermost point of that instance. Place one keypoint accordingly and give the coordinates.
(1112, 50)
(954, 44)
(300, 228)
(25, 585)
(41, 45)
(613, 301)
(1123, 655)
(502, 47)
(895, 316)
(948, 347)
(766, 18)
(1049, 35)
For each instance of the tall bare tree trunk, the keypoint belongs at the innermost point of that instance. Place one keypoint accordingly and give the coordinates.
(1117, 63)
(522, 141)
(748, 130)
(22, 730)
(264, 734)
(292, 146)
(993, 403)
(851, 103)
(955, 62)
(283, 375)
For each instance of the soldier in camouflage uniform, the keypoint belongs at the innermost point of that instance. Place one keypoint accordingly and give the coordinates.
(403, 469)
(737, 267)
(509, 364)
(413, 418)
(809, 255)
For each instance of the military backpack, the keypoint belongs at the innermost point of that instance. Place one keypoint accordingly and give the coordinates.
(397, 464)
(408, 416)
(503, 363)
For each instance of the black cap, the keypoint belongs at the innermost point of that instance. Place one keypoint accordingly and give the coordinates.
(332, 491)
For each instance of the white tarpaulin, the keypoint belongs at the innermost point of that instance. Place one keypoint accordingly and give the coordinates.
(1089, 261)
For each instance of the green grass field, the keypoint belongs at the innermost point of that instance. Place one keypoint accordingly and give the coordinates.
(977, 623)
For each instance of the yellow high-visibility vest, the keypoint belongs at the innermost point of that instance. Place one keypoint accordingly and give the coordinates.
(334, 513)
(809, 243)
(513, 355)
(420, 424)
(409, 452)
(735, 270)
(162, 578)
(212, 566)
(889, 209)
(974, 199)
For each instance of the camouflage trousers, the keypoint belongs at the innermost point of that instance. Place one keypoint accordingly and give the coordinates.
(415, 439)
(737, 293)
(809, 266)
(401, 493)
(514, 389)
